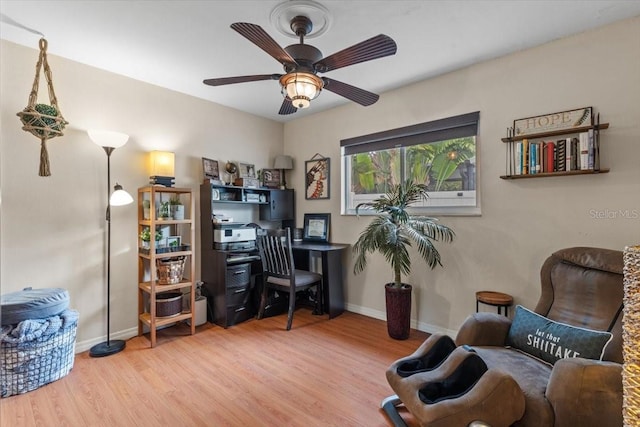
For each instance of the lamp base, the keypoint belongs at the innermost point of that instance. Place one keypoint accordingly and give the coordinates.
(107, 348)
(167, 181)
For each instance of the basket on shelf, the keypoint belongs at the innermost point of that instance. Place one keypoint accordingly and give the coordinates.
(170, 270)
(168, 304)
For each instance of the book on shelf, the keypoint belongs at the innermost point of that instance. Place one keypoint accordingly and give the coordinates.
(583, 138)
(525, 156)
(549, 156)
(519, 158)
(561, 155)
(575, 154)
(532, 158)
(590, 148)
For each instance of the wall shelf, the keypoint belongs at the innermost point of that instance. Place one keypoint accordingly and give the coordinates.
(517, 161)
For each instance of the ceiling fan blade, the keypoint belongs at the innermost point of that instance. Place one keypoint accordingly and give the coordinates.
(373, 48)
(241, 79)
(353, 93)
(287, 107)
(256, 35)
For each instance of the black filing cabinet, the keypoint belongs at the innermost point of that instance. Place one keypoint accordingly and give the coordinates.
(228, 286)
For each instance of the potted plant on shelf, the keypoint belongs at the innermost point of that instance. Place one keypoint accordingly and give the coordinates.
(177, 208)
(145, 237)
(164, 211)
(146, 209)
(391, 233)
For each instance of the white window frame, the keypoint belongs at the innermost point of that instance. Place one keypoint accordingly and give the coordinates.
(441, 203)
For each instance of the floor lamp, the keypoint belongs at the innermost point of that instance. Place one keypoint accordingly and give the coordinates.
(109, 141)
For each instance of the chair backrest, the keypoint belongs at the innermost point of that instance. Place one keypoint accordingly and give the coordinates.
(583, 287)
(275, 252)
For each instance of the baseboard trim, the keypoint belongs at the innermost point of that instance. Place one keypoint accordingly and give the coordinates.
(83, 346)
(421, 326)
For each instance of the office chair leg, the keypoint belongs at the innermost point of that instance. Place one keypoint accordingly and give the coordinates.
(263, 303)
(292, 302)
(318, 310)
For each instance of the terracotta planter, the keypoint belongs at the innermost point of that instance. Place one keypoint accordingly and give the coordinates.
(398, 302)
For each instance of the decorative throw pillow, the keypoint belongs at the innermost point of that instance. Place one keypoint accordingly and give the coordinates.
(551, 341)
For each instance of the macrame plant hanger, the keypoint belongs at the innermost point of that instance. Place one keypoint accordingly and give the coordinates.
(41, 120)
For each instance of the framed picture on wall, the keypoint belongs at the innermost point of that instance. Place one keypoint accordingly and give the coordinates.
(316, 227)
(317, 178)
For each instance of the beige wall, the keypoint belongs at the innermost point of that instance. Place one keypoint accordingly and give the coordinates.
(522, 221)
(53, 229)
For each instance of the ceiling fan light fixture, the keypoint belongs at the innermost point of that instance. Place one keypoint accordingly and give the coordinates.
(301, 88)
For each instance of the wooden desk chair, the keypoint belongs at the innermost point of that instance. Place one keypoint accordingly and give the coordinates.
(279, 271)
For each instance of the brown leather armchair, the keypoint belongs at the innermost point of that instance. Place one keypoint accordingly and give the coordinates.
(581, 287)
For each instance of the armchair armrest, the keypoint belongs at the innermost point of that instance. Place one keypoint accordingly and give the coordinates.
(484, 329)
(586, 392)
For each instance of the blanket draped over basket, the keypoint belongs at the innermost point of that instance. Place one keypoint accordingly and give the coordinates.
(36, 352)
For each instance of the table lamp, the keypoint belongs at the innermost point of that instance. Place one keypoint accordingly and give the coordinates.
(162, 167)
(284, 163)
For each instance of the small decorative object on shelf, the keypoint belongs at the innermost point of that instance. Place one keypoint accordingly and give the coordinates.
(271, 178)
(170, 270)
(557, 144)
(176, 208)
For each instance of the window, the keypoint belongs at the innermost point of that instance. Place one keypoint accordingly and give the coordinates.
(440, 154)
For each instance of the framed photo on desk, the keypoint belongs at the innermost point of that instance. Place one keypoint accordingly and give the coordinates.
(316, 227)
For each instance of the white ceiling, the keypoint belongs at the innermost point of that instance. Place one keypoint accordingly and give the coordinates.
(177, 44)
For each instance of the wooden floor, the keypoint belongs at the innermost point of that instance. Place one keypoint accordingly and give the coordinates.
(321, 373)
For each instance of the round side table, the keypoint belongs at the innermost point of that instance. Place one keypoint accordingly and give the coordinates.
(496, 299)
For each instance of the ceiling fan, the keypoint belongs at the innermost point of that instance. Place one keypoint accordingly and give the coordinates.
(302, 62)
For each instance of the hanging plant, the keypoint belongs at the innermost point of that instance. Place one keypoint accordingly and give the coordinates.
(42, 120)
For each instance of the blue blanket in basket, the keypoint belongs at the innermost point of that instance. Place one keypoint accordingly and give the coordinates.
(31, 329)
(36, 352)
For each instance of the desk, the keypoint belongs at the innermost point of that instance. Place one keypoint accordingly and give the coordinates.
(331, 255)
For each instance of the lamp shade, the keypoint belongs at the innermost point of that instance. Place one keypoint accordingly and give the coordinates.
(301, 88)
(283, 162)
(120, 197)
(107, 138)
(162, 163)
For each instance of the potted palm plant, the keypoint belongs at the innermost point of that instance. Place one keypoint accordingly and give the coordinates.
(391, 233)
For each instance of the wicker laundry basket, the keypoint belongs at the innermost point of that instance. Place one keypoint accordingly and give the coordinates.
(45, 353)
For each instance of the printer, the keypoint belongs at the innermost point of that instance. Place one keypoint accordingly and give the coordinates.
(234, 236)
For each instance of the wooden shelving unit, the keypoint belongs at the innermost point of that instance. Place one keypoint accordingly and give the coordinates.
(148, 286)
(510, 140)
